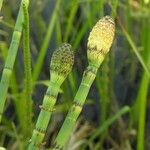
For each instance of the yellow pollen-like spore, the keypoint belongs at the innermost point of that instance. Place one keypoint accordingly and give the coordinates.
(101, 38)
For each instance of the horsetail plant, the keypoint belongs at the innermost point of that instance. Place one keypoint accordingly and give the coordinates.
(61, 65)
(7, 71)
(99, 43)
(27, 100)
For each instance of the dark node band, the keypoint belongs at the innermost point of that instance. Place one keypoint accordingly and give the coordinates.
(50, 95)
(76, 103)
(94, 49)
(46, 109)
(91, 69)
(40, 130)
(39, 145)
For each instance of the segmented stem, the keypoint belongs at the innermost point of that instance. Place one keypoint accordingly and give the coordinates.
(75, 110)
(61, 65)
(99, 43)
(44, 116)
(7, 71)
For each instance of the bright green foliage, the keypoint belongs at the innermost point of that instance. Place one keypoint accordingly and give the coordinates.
(61, 65)
(7, 71)
(124, 71)
(99, 43)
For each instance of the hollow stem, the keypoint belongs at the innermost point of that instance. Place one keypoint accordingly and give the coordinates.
(99, 43)
(7, 71)
(44, 116)
(61, 65)
(75, 110)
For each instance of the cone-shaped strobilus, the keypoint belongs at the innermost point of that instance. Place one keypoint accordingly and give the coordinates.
(99, 43)
(61, 65)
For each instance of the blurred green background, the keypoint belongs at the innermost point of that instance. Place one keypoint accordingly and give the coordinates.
(123, 78)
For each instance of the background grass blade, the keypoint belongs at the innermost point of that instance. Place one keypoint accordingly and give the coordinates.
(134, 49)
(107, 123)
(139, 108)
(45, 44)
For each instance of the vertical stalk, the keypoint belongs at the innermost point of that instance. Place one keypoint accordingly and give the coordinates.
(73, 11)
(61, 65)
(104, 101)
(141, 101)
(143, 91)
(44, 116)
(7, 71)
(45, 43)
(75, 110)
(1, 3)
(99, 43)
(27, 96)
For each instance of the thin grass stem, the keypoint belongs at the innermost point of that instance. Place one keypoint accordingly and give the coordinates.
(106, 124)
(141, 100)
(27, 96)
(45, 44)
(135, 50)
(7, 71)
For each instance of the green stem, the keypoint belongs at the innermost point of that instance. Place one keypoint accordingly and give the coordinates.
(142, 111)
(43, 49)
(27, 96)
(104, 90)
(7, 71)
(74, 8)
(61, 65)
(143, 92)
(104, 96)
(1, 3)
(75, 110)
(44, 116)
(96, 52)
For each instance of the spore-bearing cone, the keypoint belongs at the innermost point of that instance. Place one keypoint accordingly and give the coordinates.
(62, 62)
(100, 40)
